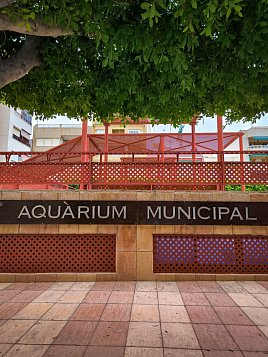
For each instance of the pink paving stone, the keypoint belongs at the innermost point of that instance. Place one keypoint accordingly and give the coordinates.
(179, 335)
(222, 353)
(4, 348)
(232, 316)
(39, 286)
(66, 351)
(103, 286)
(248, 338)
(6, 295)
(209, 287)
(214, 337)
(97, 297)
(7, 310)
(76, 333)
(104, 351)
(203, 314)
(220, 299)
(18, 286)
(195, 299)
(122, 297)
(172, 352)
(116, 312)
(188, 287)
(254, 354)
(89, 312)
(110, 334)
(26, 296)
(125, 285)
(264, 284)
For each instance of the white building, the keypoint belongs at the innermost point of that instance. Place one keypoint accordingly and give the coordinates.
(15, 131)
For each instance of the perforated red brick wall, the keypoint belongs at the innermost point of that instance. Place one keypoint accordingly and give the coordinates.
(29, 253)
(210, 254)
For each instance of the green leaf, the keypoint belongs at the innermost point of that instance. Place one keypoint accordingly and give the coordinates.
(194, 4)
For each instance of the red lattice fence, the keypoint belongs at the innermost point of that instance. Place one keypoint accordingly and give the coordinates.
(29, 253)
(210, 254)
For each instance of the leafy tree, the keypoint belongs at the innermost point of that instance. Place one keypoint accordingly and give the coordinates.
(162, 59)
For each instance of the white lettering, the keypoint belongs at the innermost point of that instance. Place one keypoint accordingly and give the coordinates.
(165, 213)
(68, 212)
(153, 214)
(103, 216)
(201, 209)
(247, 216)
(236, 213)
(222, 211)
(187, 215)
(42, 213)
(49, 212)
(24, 212)
(83, 210)
(123, 211)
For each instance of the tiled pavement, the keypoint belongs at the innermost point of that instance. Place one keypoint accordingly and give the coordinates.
(143, 319)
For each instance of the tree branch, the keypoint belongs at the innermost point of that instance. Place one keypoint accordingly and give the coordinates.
(4, 3)
(37, 27)
(18, 65)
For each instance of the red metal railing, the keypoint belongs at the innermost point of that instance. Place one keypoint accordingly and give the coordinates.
(141, 174)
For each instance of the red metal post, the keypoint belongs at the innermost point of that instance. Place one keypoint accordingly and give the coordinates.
(220, 149)
(106, 143)
(193, 123)
(84, 147)
(241, 148)
(162, 148)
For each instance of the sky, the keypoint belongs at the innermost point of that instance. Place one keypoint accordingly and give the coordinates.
(208, 125)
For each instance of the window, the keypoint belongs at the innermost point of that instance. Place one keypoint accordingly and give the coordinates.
(48, 142)
(100, 131)
(135, 131)
(118, 131)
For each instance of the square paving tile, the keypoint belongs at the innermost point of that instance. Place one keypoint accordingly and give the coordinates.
(18, 286)
(169, 298)
(116, 312)
(50, 296)
(12, 330)
(103, 286)
(65, 351)
(33, 311)
(258, 315)
(125, 285)
(222, 353)
(263, 298)
(209, 287)
(60, 312)
(43, 332)
(179, 335)
(145, 297)
(4, 348)
(148, 313)
(122, 297)
(89, 312)
(203, 315)
(253, 287)
(42, 286)
(245, 300)
(188, 287)
(110, 334)
(26, 296)
(144, 334)
(104, 351)
(72, 296)
(27, 351)
(76, 333)
(87, 286)
(146, 286)
(8, 309)
(62, 286)
(173, 314)
(143, 352)
(232, 287)
(167, 286)
(195, 299)
(232, 316)
(171, 352)
(220, 299)
(214, 337)
(248, 338)
(97, 297)
(7, 295)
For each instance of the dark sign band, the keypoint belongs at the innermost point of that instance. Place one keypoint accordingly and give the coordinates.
(133, 212)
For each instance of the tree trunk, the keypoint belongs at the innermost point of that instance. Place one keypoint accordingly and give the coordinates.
(18, 65)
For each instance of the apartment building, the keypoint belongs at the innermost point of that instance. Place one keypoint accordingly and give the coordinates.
(15, 130)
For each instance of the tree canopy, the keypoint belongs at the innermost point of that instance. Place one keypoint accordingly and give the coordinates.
(163, 59)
